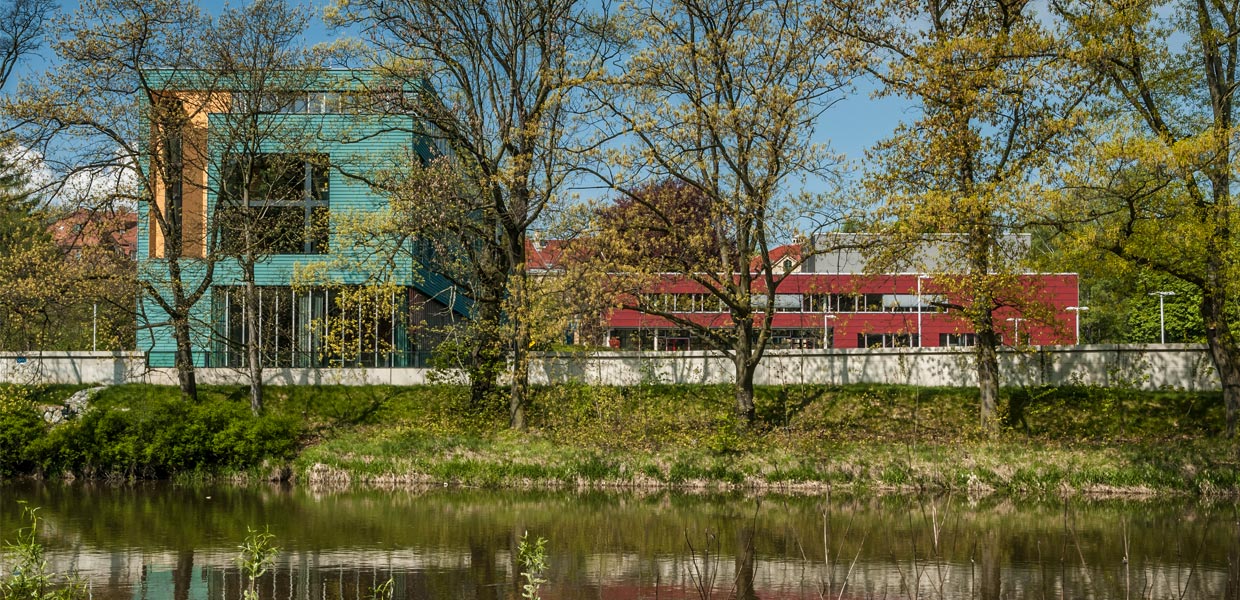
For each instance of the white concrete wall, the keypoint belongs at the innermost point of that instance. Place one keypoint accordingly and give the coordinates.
(72, 367)
(1183, 366)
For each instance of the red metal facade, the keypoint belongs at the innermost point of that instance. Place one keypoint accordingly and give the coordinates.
(880, 312)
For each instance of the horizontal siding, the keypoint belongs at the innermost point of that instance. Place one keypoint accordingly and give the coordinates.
(357, 145)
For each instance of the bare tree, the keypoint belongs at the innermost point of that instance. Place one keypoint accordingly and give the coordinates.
(104, 113)
(265, 174)
(21, 31)
(493, 81)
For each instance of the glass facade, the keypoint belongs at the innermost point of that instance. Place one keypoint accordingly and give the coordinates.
(325, 327)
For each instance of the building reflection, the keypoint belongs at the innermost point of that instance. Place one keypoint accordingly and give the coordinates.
(480, 573)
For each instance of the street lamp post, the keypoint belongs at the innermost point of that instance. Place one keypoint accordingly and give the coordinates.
(1162, 315)
(919, 278)
(826, 330)
(1016, 328)
(1077, 311)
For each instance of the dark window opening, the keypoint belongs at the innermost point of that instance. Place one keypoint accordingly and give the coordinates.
(173, 191)
(275, 204)
(886, 340)
(957, 340)
(654, 339)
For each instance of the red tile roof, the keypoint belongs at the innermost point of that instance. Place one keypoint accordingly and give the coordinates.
(543, 255)
(87, 228)
(778, 254)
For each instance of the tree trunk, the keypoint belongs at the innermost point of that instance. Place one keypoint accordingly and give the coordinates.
(519, 390)
(742, 360)
(520, 378)
(1223, 351)
(179, 312)
(253, 342)
(987, 371)
(744, 388)
(185, 359)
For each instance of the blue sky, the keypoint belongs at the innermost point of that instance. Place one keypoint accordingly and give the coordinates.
(851, 126)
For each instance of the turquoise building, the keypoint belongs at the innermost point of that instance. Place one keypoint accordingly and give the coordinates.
(281, 178)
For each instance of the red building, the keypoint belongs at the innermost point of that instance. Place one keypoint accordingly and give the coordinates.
(829, 300)
(817, 310)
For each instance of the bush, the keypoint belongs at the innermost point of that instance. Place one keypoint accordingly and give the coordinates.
(163, 436)
(20, 427)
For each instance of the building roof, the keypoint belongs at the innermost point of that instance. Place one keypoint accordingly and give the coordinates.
(791, 252)
(542, 256)
(90, 228)
(846, 253)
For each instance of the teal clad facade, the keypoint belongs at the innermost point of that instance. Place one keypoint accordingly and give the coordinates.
(319, 149)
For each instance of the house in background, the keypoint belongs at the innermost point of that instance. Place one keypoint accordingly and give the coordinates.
(300, 186)
(113, 230)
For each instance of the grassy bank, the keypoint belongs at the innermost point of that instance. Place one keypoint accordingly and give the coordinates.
(863, 438)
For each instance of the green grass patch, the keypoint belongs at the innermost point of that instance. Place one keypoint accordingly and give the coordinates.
(860, 436)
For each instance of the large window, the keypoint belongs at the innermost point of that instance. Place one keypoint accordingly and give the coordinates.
(275, 204)
(799, 339)
(804, 303)
(886, 340)
(782, 303)
(319, 102)
(957, 340)
(653, 339)
(319, 327)
(174, 166)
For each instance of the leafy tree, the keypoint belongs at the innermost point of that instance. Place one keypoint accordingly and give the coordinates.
(21, 226)
(1152, 184)
(493, 83)
(49, 285)
(1122, 310)
(994, 103)
(666, 225)
(26, 252)
(717, 100)
(47, 292)
(101, 113)
(19, 208)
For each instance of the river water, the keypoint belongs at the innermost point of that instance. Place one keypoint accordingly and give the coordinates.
(162, 541)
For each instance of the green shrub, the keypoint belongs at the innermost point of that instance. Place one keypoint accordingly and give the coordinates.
(165, 436)
(20, 427)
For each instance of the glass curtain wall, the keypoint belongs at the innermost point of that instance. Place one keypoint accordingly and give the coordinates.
(318, 327)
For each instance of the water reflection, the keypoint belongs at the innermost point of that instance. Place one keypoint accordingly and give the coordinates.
(161, 541)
